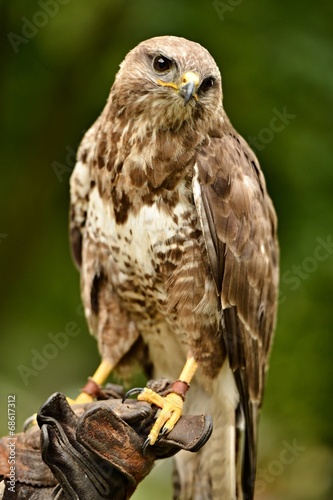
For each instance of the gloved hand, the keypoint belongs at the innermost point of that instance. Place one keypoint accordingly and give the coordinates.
(95, 451)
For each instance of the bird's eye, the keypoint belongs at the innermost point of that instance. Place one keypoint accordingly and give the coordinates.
(162, 64)
(207, 83)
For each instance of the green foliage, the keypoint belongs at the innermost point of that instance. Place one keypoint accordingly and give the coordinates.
(57, 69)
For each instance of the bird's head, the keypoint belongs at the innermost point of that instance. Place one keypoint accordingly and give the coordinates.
(168, 81)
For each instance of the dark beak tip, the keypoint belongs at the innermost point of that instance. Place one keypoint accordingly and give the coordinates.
(187, 91)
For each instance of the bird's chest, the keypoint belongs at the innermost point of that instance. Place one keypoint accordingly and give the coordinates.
(144, 252)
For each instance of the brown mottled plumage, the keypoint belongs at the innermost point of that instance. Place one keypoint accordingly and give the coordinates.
(175, 236)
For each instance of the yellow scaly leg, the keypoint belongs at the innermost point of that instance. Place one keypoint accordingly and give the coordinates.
(172, 404)
(98, 379)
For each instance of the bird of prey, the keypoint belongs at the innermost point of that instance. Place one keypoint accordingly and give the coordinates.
(175, 237)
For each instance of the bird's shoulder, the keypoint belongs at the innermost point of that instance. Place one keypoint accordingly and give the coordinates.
(232, 195)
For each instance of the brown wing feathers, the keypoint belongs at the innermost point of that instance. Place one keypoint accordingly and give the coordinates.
(239, 223)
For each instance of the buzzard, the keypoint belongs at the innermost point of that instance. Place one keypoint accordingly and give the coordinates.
(175, 237)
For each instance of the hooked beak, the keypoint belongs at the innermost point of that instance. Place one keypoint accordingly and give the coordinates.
(189, 85)
(187, 88)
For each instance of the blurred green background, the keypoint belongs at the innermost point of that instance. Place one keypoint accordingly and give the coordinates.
(58, 61)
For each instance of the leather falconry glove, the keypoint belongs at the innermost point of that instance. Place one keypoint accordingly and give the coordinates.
(95, 450)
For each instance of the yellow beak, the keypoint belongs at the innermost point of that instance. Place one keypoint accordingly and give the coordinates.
(188, 86)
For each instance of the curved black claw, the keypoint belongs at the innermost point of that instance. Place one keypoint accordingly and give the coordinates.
(163, 432)
(29, 422)
(131, 392)
(145, 446)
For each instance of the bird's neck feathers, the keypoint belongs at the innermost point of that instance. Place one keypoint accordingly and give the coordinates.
(144, 153)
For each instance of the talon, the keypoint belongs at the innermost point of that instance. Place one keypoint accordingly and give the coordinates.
(29, 422)
(171, 410)
(163, 432)
(171, 405)
(131, 392)
(145, 446)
